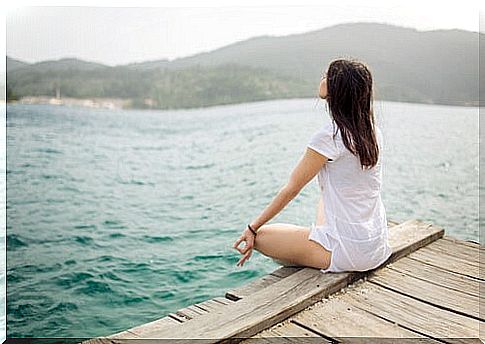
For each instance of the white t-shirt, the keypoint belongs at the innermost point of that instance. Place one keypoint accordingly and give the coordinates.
(355, 227)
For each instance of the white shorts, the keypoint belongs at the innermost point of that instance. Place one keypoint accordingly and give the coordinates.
(349, 254)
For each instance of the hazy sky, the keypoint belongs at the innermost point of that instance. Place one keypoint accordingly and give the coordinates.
(120, 35)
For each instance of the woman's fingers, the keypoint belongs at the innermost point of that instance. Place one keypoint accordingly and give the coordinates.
(247, 250)
(249, 245)
(238, 241)
(244, 258)
(249, 254)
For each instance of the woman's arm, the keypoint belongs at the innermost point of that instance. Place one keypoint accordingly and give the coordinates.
(310, 163)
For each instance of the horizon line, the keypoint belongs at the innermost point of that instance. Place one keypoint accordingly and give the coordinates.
(67, 57)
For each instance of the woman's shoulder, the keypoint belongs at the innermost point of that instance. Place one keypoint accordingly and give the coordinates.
(328, 131)
(330, 127)
(325, 142)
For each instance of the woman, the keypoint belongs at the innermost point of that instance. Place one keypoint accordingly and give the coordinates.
(351, 227)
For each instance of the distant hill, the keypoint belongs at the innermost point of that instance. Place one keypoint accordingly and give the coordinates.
(13, 64)
(438, 66)
(149, 65)
(56, 65)
(431, 66)
(158, 88)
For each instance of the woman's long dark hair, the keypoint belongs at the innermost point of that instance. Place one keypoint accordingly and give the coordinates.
(349, 97)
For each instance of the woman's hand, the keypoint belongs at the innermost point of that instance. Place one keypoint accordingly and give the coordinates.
(248, 237)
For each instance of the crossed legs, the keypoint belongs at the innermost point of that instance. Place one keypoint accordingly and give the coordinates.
(290, 244)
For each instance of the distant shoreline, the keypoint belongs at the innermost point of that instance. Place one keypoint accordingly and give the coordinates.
(126, 104)
(97, 103)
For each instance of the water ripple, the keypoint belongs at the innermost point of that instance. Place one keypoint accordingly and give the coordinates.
(62, 307)
(15, 241)
(93, 287)
(48, 150)
(156, 239)
(70, 279)
(199, 167)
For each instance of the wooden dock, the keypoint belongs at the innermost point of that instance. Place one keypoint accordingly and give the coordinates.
(428, 291)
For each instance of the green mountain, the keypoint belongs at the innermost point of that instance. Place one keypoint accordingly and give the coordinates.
(438, 66)
(13, 64)
(158, 88)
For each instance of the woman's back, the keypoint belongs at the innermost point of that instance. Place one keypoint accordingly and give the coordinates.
(354, 212)
(355, 189)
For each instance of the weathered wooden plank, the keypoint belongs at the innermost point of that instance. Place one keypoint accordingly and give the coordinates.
(179, 317)
(163, 323)
(127, 334)
(250, 288)
(462, 242)
(210, 305)
(411, 235)
(471, 255)
(422, 290)
(391, 223)
(223, 300)
(285, 271)
(460, 245)
(336, 318)
(190, 313)
(287, 329)
(136, 332)
(413, 314)
(370, 340)
(449, 263)
(98, 340)
(443, 255)
(198, 309)
(437, 275)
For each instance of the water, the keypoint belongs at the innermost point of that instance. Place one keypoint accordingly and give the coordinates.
(3, 219)
(116, 218)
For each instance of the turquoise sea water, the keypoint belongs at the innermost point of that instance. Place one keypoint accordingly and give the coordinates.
(116, 218)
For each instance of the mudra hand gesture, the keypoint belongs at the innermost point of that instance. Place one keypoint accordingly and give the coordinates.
(248, 237)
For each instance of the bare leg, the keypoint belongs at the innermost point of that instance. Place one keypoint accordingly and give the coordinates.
(290, 244)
